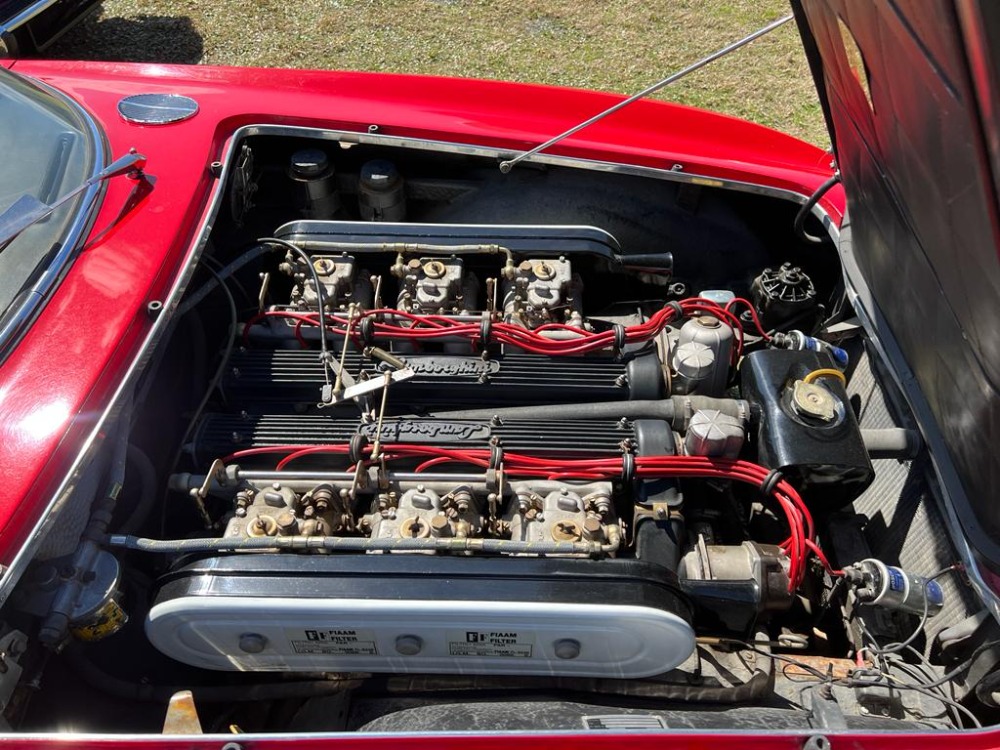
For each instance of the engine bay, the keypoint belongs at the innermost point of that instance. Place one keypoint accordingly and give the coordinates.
(427, 441)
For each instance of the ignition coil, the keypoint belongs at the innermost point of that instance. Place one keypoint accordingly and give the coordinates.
(887, 586)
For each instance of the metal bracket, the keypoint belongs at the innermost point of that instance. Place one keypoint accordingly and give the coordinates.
(12, 646)
(182, 715)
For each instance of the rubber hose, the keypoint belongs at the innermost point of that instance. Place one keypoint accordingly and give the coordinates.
(206, 289)
(676, 410)
(892, 442)
(754, 688)
(807, 207)
(146, 474)
(261, 691)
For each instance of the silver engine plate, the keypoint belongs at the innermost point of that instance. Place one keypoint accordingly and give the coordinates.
(421, 614)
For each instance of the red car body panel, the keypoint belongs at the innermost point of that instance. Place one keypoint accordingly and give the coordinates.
(591, 741)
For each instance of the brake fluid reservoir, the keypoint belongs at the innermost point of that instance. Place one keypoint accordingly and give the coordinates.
(717, 336)
(381, 192)
(312, 170)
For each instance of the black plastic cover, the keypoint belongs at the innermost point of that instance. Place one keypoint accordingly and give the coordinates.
(595, 717)
(546, 580)
(523, 240)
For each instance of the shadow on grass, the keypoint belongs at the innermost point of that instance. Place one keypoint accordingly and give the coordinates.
(160, 39)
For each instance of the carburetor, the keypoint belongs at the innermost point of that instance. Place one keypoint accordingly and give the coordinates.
(543, 290)
(556, 512)
(436, 286)
(342, 283)
(277, 510)
(420, 512)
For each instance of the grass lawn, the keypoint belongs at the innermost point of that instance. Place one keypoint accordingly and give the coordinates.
(616, 45)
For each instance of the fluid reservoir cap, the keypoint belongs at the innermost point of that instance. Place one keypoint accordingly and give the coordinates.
(719, 296)
(379, 174)
(694, 360)
(99, 588)
(813, 400)
(309, 164)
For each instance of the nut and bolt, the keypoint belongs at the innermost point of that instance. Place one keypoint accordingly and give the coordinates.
(409, 645)
(434, 269)
(287, 524)
(440, 526)
(252, 643)
(544, 271)
(593, 531)
(566, 648)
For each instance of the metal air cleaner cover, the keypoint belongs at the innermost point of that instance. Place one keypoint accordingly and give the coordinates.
(415, 613)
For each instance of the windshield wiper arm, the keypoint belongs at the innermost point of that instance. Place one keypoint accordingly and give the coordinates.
(28, 210)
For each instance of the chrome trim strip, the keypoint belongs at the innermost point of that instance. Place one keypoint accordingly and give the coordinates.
(17, 324)
(20, 562)
(26, 15)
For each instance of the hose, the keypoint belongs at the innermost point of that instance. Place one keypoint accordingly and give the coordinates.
(324, 349)
(219, 371)
(891, 442)
(223, 274)
(676, 410)
(754, 688)
(807, 207)
(146, 474)
(261, 691)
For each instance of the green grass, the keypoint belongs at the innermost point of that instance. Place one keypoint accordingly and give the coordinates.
(618, 45)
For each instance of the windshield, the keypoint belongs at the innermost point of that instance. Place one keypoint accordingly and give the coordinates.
(47, 149)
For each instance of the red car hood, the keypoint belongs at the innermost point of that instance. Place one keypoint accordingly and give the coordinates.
(910, 92)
